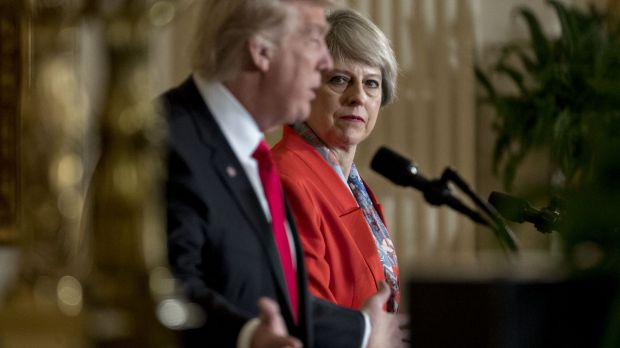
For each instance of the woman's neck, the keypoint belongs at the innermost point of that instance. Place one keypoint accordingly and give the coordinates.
(345, 158)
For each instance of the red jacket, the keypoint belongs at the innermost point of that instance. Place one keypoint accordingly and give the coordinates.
(339, 250)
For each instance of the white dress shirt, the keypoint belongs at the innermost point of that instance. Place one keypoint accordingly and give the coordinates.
(239, 129)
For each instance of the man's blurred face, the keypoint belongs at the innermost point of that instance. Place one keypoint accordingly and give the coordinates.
(296, 70)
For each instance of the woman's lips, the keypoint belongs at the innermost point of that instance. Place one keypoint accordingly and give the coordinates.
(353, 118)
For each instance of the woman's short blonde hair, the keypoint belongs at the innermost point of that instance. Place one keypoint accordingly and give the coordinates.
(225, 26)
(356, 38)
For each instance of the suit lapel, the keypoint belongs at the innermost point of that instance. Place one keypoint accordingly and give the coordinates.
(303, 295)
(243, 193)
(233, 177)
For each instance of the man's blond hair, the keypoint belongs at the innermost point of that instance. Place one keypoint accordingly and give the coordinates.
(225, 26)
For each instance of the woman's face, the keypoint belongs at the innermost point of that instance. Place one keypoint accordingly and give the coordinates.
(347, 104)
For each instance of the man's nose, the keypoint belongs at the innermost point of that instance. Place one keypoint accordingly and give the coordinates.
(326, 62)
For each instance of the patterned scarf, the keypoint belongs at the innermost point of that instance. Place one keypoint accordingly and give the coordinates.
(383, 241)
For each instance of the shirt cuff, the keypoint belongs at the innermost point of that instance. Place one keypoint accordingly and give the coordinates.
(367, 330)
(244, 340)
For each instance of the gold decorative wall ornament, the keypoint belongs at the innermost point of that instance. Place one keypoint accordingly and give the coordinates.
(44, 307)
(95, 275)
(11, 71)
(614, 6)
(130, 292)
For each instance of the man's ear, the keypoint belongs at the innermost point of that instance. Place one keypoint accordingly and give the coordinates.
(261, 52)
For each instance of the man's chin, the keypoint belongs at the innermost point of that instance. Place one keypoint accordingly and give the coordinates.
(301, 115)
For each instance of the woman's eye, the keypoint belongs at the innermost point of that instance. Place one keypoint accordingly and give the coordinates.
(338, 80)
(373, 84)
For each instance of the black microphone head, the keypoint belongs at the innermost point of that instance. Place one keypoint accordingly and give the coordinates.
(512, 208)
(393, 166)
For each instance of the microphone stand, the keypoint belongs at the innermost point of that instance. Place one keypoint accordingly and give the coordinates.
(501, 229)
(438, 193)
(402, 172)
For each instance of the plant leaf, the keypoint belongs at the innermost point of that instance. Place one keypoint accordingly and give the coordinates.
(539, 41)
(515, 76)
(484, 81)
(567, 23)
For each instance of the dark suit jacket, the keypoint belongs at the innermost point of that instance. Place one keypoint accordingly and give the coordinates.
(220, 245)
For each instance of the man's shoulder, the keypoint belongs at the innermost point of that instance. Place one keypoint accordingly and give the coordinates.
(188, 122)
(183, 109)
(181, 97)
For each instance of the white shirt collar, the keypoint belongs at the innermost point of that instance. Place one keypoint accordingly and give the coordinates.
(238, 126)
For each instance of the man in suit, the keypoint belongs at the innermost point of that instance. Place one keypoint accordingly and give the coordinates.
(256, 65)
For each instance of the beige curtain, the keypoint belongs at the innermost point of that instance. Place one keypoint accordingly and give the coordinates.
(432, 122)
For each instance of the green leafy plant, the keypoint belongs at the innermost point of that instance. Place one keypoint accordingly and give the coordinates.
(566, 89)
(567, 100)
(590, 226)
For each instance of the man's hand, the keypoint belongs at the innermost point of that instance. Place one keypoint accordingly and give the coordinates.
(387, 329)
(271, 332)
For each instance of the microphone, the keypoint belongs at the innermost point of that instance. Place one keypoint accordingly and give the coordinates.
(519, 210)
(402, 172)
(397, 169)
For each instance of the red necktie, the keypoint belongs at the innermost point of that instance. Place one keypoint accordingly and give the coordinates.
(273, 192)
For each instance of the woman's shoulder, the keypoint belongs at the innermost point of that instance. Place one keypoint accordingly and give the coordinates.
(291, 142)
(292, 152)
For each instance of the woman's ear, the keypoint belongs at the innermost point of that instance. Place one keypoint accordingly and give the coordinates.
(261, 52)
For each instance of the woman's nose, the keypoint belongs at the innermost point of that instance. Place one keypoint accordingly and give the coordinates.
(355, 94)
